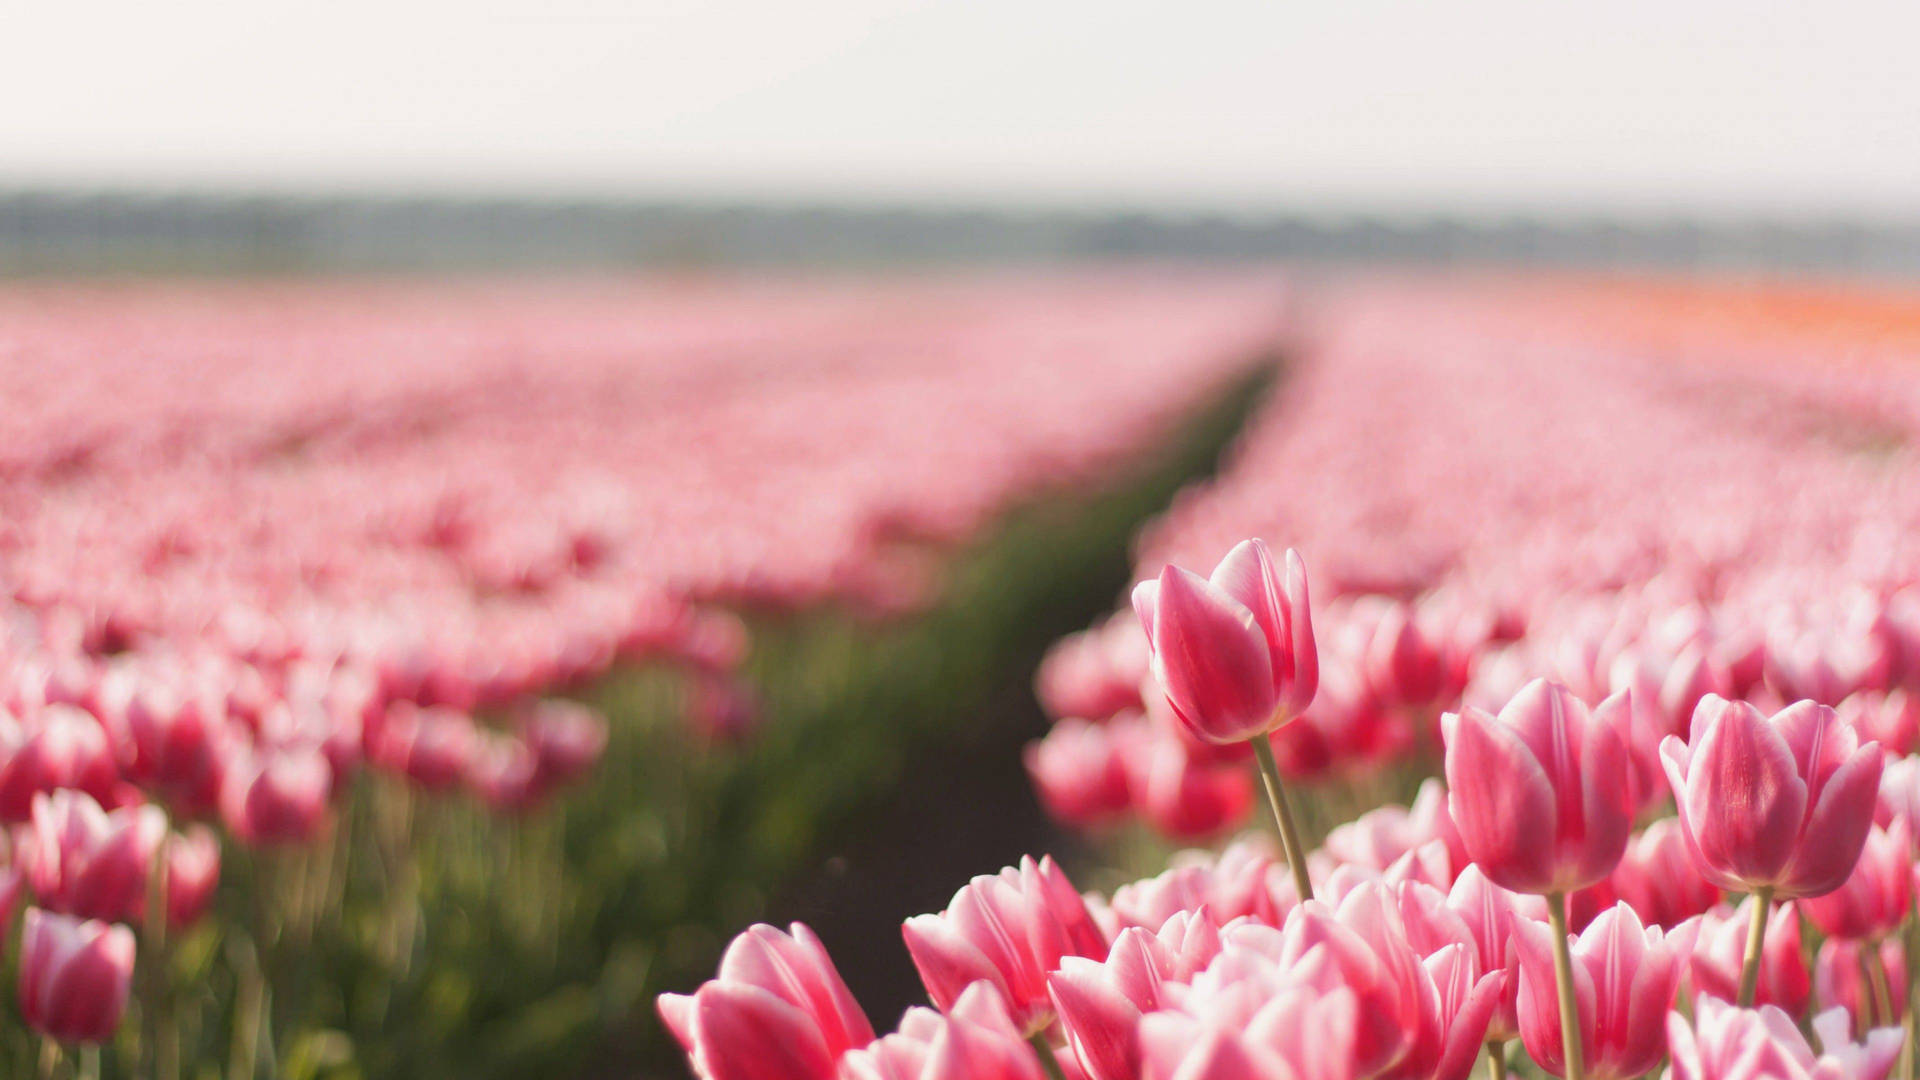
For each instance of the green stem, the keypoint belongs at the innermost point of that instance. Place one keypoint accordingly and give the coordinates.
(49, 1057)
(162, 1043)
(1496, 1061)
(1756, 942)
(244, 1056)
(1282, 815)
(1044, 1049)
(1877, 980)
(89, 1062)
(1571, 1048)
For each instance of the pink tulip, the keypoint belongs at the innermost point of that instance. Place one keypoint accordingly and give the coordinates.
(178, 746)
(1728, 1043)
(193, 873)
(1657, 878)
(1180, 793)
(1899, 796)
(1079, 774)
(1296, 1032)
(1780, 803)
(1720, 952)
(1100, 1004)
(74, 976)
(977, 1040)
(777, 1010)
(433, 747)
(82, 860)
(566, 739)
(1234, 653)
(1380, 837)
(1840, 979)
(1402, 666)
(1243, 881)
(1491, 914)
(1536, 792)
(59, 747)
(1876, 898)
(1010, 929)
(1891, 719)
(276, 796)
(1624, 975)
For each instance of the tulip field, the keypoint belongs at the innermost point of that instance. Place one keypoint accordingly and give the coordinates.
(1421, 675)
(1533, 690)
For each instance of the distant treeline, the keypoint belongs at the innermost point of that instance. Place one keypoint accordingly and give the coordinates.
(66, 232)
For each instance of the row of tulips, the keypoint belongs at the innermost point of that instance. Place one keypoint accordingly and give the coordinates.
(1458, 455)
(1518, 906)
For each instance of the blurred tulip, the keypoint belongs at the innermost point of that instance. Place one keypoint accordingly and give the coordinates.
(1720, 953)
(276, 797)
(1840, 978)
(74, 976)
(976, 1040)
(1079, 774)
(1657, 878)
(1877, 897)
(82, 860)
(193, 873)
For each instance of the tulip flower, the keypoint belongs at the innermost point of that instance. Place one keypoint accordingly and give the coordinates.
(1010, 929)
(1101, 1003)
(1536, 791)
(276, 796)
(1777, 806)
(1624, 976)
(1177, 791)
(193, 873)
(1491, 914)
(1079, 774)
(433, 747)
(1877, 897)
(1729, 1043)
(1719, 959)
(59, 747)
(1869, 981)
(1234, 884)
(1235, 656)
(1779, 803)
(74, 976)
(82, 860)
(976, 1040)
(777, 1010)
(1656, 877)
(566, 740)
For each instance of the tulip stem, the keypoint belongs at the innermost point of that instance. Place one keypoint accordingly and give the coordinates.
(1044, 1050)
(1877, 982)
(1756, 942)
(89, 1062)
(1496, 1060)
(1282, 815)
(163, 1041)
(49, 1057)
(1571, 1049)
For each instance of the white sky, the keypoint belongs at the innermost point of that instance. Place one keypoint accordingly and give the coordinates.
(1636, 107)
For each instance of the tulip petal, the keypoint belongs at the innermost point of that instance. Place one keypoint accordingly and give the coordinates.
(1501, 801)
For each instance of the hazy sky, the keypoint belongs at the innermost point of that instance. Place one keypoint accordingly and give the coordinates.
(1642, 107)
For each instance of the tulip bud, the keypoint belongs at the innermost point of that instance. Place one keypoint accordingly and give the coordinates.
(777, 1010)
(1079, 774)
(1536, 792)
(1011, 929)
(74, 976)
(1781, 802)
(1234, 653)
(193, 873)
(1656, 877)
(1841, 980)
(1720, 951)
